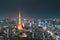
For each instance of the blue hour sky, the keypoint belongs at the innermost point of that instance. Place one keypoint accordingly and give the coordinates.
(30, 8)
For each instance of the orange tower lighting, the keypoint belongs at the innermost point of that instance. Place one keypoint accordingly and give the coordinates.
(20, 22)
(20, 27)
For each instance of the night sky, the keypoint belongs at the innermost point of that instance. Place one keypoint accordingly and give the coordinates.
(30, 8)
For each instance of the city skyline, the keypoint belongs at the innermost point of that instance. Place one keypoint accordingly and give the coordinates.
(40, 29)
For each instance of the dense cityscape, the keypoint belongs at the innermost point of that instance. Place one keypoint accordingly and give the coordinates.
(38, 29)
(29, 19)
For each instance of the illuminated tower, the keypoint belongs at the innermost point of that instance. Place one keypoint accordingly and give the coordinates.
(20, 22)
(20, 27)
